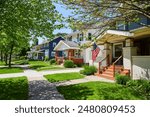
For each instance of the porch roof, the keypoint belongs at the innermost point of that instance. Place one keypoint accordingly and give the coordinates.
(114, 36)
(66, 45)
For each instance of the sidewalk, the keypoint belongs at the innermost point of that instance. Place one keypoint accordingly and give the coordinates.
(84, 80)
(34, 75)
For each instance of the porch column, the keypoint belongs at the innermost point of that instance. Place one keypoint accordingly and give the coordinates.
(56, 55)
(128, 51)
(106, 52)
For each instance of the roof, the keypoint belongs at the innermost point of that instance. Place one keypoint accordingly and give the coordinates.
(114, 36)
(65, 45)
(71, 43)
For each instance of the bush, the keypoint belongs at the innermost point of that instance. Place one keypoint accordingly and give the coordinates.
(23, 57)
(89, 70)
(46, 58)
(22, 62)
(69, 64)
(52, 62)
(122, 79)
(14, 88)
(79, 64)
(140, 87)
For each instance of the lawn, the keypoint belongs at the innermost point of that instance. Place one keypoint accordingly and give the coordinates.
(98, 91)
(5, 70)
(63, 77)
(2, 63)
(14, 88)
(43, 65)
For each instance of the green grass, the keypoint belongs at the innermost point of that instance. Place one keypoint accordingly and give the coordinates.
(21, 62)
(98, 91)
(14, 88)
(2, 63)
(42, 65)
(5, 70)
(63, 77)
(49, 68)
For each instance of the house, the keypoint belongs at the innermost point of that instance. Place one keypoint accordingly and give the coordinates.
(71, 47)
(44, 50)
(125, 50)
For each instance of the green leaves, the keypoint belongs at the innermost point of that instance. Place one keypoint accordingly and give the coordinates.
(104, 13)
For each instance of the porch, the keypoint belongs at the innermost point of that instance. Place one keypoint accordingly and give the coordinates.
(66, 50)
(127, 53)
(35, 55)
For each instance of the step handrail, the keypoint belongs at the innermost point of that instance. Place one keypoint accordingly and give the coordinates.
(115, 63)
(99, 66)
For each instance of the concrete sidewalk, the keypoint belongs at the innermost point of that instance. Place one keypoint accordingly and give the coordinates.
(35, 75)
(84, 80)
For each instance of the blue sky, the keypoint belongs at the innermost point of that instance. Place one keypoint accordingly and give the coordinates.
(61, 9)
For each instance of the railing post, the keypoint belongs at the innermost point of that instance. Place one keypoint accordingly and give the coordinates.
(113, 69)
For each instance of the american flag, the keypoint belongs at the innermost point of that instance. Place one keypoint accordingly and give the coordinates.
(95, 51)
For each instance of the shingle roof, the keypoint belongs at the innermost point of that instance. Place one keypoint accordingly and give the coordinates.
(71, 43)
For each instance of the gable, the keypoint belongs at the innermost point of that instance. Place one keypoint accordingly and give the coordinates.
(61, 46)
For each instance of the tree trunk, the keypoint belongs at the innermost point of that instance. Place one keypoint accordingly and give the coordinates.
(1, 56)
(6, 58)
(10, 56)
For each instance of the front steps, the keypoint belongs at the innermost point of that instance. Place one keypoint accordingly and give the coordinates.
(107, 72)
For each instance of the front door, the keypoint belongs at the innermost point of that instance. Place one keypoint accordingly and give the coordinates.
(117, 52)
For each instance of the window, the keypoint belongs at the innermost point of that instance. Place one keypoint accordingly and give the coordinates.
(52, 54)
(54, 44)
(47, 52)
(120, 25)
(89, 36)
(70, 38)
(117, 50)
(78, 37)
(81, 36)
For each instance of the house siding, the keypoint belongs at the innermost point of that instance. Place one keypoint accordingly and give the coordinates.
(134, 25)
(51, 47)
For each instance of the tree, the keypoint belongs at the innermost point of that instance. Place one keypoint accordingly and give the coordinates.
(21, 20)
(105, 13)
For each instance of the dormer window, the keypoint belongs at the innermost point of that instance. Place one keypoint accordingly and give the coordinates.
(81, 36)
(89, 36)
(70, 38)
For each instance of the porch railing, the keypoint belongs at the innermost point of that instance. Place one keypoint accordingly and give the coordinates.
(107, 63)
(114, 71)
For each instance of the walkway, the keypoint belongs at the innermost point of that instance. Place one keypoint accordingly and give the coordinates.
(84, 80)
(34, 75)
(41, 89)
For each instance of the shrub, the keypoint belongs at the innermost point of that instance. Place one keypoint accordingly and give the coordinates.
(89, 70)
(46, 58)
(22, 62)
(52, 62)
(69, 64)
(14, 88)
(122, 79)
(79, 64)
(23, 57)
(140, 87)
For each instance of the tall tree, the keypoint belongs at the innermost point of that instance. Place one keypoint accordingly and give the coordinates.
(105, 13)
(21, 20)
